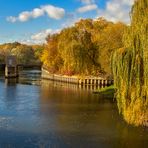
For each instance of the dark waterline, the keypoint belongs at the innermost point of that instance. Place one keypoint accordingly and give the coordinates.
(35, 113)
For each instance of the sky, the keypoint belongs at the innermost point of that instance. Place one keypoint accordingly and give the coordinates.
(30, 21)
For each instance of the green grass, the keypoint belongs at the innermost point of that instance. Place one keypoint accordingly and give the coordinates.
(108, 88)
(107, 92)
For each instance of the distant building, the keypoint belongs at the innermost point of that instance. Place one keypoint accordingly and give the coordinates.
(11, 67)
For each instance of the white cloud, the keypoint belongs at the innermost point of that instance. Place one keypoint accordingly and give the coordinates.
(36, 38)
(87, 8)
(88, 5)
(11, 19)
(40, 37)
(70, 22)
(28, 42)
(128, 2)
(52, 12)
(87, 1)
(37, 12)
(117, 10)
(24, 16)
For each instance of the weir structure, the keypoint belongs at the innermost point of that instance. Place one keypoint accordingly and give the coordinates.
(11, 70)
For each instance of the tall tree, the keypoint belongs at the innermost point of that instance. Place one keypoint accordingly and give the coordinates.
(130, 68)
(51, 58)
(83, 49)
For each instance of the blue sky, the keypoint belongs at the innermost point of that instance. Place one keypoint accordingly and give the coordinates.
(30, 21)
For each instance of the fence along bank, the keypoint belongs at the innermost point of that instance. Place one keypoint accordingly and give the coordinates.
(76, 80)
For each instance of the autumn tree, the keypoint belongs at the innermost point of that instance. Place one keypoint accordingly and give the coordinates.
(26, 54)
(130, 68)
(83, 49)
(51, 58)
(110, 39)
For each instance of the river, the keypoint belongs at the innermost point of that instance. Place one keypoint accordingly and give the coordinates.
(37, 113)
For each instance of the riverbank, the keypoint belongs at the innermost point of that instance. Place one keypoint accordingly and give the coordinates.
(85, 80)
(107, 92)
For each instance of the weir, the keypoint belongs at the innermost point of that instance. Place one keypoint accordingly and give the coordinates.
(11, 70)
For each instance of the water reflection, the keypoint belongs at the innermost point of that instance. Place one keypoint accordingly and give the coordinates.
(50, 114)
(85, 120)
(12, 81)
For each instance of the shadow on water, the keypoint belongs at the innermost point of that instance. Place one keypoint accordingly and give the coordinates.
(40, 113)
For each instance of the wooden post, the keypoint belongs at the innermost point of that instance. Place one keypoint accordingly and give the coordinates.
(106, 83)
(93, 81)
(85, 81)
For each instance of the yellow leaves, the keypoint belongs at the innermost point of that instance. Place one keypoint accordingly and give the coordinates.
(136, 113)
(121, 51)
(131, 69)
(44, 57)
(85, 48)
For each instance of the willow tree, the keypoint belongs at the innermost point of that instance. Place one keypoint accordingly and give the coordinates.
(130, 68)
(77, 51)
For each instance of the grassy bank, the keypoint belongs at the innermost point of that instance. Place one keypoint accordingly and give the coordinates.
(107, 92)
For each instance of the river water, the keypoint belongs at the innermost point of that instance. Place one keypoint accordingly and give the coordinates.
(38, 113)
